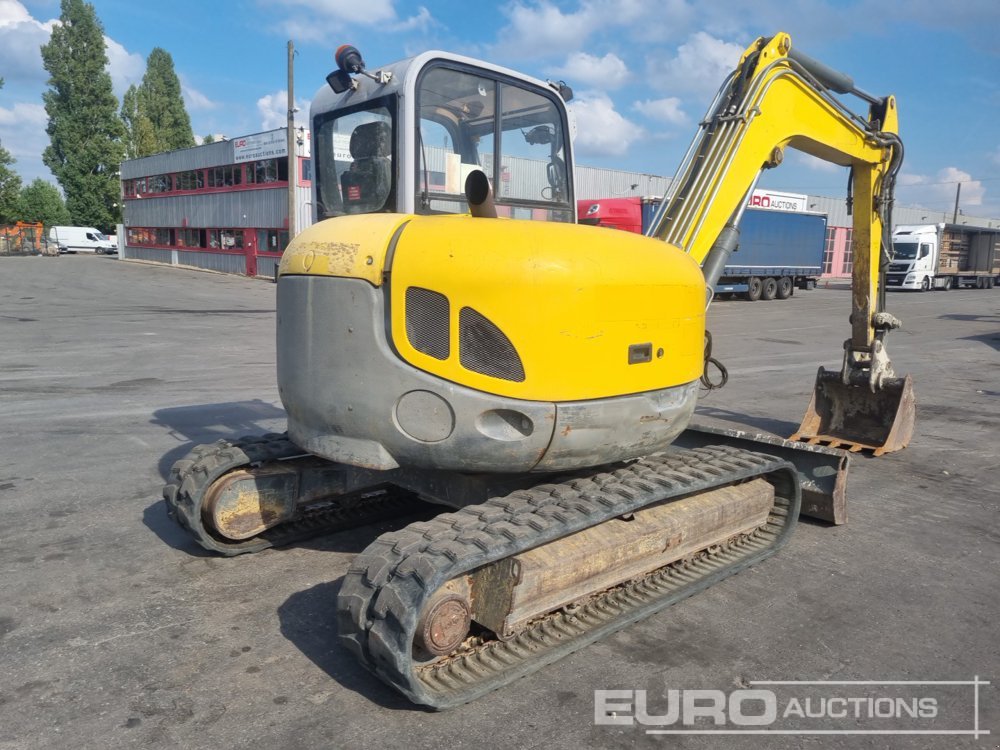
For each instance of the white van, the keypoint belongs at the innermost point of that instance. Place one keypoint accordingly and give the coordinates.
(82, 240)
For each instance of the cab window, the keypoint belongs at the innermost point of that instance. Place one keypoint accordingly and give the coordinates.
(354, 161)
(469, 121)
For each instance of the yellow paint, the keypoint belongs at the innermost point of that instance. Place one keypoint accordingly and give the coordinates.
(348, 246)
(571, 299)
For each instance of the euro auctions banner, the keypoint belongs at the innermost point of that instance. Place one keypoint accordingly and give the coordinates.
(776, 201)
(260, 146)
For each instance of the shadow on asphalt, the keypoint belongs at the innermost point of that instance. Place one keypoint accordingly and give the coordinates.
(308, 619)
(155, 519)
(779, 427)
(990, 339)
(206, 423)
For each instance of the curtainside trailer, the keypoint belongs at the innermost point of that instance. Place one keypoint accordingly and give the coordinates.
(778, 251)
(944, 256)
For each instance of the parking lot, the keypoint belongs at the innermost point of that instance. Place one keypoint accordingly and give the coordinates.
(116, 630)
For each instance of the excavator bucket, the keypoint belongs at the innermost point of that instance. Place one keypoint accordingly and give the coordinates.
(855, 418)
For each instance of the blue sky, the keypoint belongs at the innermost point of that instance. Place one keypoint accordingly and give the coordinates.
(643, 70)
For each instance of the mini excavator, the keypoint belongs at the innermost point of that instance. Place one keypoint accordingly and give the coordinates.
(446, 332)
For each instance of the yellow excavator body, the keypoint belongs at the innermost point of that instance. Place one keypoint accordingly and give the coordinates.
(590, 313)
(532, 375)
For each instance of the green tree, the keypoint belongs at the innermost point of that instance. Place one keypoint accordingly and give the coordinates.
(10, 185)
(208, 139)
(139, 137)
(159, 100)
(85, 133)
(42, 201)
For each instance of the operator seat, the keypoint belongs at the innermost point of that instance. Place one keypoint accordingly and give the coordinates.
(366, 185)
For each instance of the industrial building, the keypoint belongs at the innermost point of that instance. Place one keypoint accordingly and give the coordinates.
(224, 206)
(221, 206)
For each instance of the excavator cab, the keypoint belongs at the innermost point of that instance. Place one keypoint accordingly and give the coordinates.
(405, 139)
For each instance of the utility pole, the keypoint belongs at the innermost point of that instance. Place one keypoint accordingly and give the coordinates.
(293, 157)
(958, 192)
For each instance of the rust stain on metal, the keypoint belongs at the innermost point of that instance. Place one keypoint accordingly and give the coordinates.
(340, 254)
(444, 624)
(244, 504)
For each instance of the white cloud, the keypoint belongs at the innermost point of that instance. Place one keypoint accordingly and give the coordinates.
(545, 30)
(608, 72)
(666, 110)
(24, 113)
(193, 98)
(699, 67)
(420, 22)
(273, 110)
(126, 68)
(21, 36)
(368, 13)
(938, 191)
(313, 20)
(601, 130)
(22, 132)
(12, 12)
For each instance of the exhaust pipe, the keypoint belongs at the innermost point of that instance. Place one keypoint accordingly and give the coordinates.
(479, 195)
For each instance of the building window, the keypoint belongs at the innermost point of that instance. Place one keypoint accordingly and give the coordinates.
(267, 170)
(849, 251)
(193, 238)
(160, 183)
(192, 180)
(225, 176)
(161, 236)
(831, 242)
(272, 240)
(225, 239)
(128, 188)
(306, 170)
(140, 185)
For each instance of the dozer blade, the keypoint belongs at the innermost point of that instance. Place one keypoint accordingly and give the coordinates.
(855, 418)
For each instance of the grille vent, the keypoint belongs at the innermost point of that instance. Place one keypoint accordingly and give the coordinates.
(427, 322)
(483, 348)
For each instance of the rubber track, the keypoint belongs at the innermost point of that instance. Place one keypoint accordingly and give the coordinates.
(388, 584)
(191, 476)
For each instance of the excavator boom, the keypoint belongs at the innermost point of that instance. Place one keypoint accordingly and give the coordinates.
(777, 98)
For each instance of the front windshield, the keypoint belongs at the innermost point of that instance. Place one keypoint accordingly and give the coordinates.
(904, 250)
(354, 161)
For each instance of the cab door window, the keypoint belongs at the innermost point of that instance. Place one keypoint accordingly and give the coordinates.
(354, 161)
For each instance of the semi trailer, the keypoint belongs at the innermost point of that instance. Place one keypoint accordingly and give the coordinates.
(944, 256)
(778, 250)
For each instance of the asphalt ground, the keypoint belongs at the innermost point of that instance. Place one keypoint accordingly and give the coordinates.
(117, 631)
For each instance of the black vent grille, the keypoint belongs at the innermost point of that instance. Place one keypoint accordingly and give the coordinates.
(483, 348)
(427, 322)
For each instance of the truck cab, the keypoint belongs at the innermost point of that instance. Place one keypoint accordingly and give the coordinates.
(915, 251)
